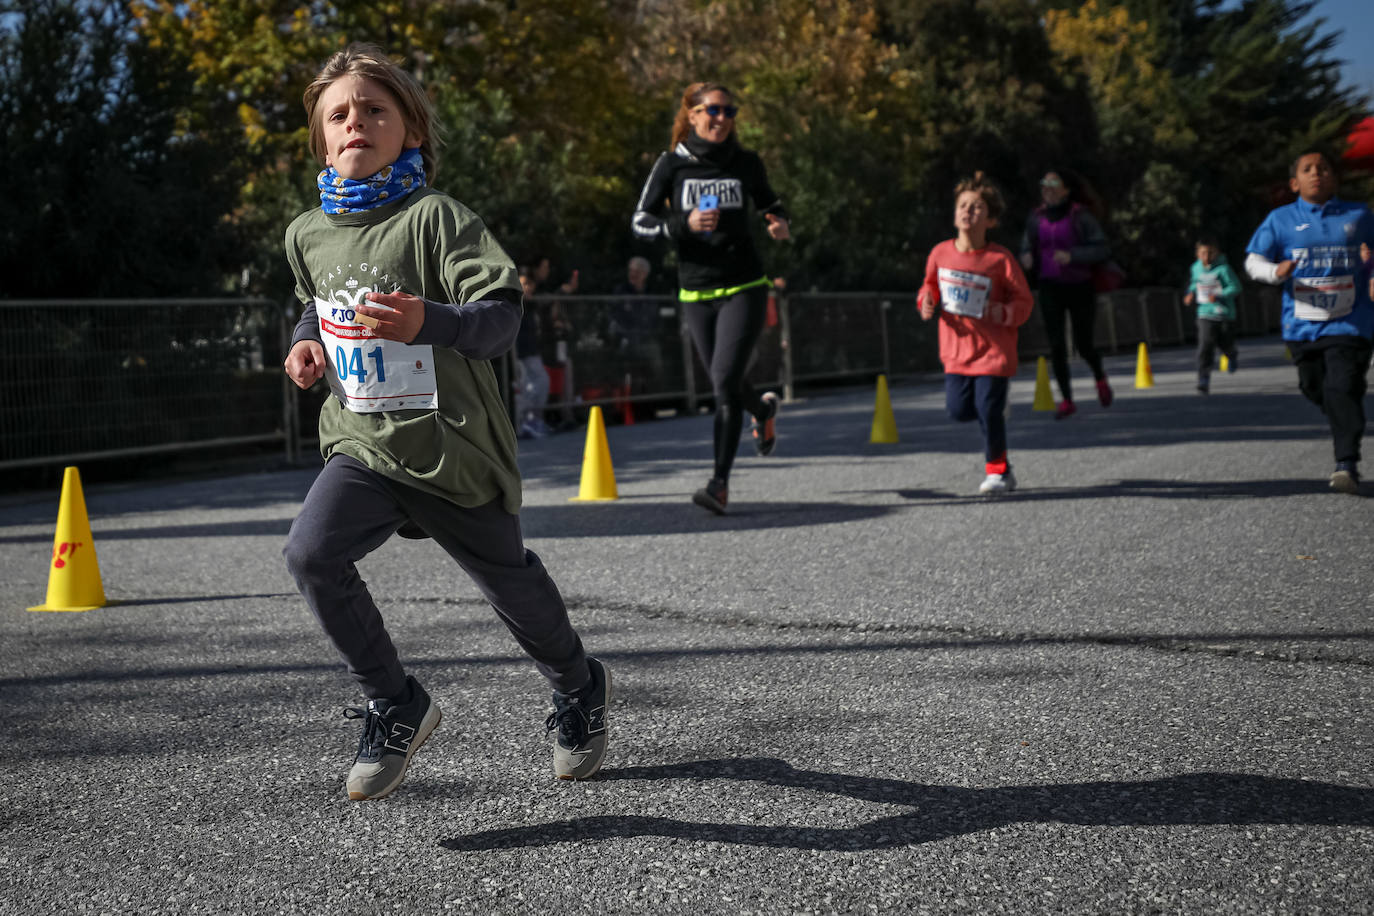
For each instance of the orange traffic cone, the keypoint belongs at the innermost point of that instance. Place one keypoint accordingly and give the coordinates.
(598, 477)
(74, 577)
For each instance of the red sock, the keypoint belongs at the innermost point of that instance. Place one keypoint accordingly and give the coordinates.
(999, 466)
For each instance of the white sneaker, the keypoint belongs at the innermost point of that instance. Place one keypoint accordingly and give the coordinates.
(998, 483)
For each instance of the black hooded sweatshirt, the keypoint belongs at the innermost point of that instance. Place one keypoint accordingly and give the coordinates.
(727, 256)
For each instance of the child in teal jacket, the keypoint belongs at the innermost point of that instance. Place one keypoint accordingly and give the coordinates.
(1213, 288)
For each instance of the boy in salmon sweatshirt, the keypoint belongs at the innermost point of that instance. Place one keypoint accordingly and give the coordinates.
(982, 297)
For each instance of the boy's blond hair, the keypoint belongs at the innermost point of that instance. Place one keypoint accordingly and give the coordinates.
(985, 189)
(370, 62)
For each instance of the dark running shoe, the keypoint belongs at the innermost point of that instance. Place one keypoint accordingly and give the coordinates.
(713, 496)
(392, 733)
(580, 722)
(766, 431)
(1346, 478)
(1104, 393)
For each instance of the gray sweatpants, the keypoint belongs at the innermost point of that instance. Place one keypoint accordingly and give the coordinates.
(352, 510)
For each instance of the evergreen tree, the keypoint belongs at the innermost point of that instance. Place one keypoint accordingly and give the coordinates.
(114, 201)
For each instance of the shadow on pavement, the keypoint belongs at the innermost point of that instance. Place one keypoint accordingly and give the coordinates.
(649, 515)
(1225, 644)
(638, 515)
(1222, 799)
(250, 528)
(1152, 489)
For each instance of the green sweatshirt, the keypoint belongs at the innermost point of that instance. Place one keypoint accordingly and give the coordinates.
(457, 442)
(1218, 286)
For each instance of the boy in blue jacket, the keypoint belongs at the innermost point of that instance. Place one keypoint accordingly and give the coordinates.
(1312, 247)
(1213, 288)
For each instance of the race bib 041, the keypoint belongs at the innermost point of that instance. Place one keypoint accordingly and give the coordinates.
(369, 374)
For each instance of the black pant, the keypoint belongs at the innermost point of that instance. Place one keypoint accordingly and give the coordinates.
(1078, 302)
(725, 332)
(982, 398)
(1331, 374)
(1213, 335)
(351, 510)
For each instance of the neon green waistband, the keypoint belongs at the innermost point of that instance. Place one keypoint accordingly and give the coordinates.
(701, 295)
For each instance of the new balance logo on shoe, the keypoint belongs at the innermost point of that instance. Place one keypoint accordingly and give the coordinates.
(579, 720)
(392, 733)
(400, 737)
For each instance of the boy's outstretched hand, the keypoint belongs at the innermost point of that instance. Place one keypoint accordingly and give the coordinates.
(401, 320)
(305, 363)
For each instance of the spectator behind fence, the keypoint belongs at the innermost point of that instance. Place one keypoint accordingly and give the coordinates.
(406, 344)
(1213, 287)
(698, 195)
(531, 378)
(1062, 242)
(556, 340)
(1313, 248)
(633, 330)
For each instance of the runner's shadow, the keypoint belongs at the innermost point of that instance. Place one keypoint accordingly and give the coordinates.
(629, 517)
(1152, 489)
(939, 812)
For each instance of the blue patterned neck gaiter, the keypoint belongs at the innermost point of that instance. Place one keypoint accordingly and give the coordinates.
(349, 195)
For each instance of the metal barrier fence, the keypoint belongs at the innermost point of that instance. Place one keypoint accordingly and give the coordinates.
(96, 379)
(85, 380)
(813, 339)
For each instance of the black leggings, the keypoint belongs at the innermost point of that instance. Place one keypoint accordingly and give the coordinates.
(1332, 374)
(725, 332)
(1078, 302)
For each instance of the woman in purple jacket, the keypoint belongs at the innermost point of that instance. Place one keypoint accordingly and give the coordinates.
(1062, 243)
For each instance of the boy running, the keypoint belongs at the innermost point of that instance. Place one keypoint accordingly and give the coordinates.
(1312, 247)
(1213, 288)
(983, 298)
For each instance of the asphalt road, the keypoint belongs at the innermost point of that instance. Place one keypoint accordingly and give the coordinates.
(1142, 683)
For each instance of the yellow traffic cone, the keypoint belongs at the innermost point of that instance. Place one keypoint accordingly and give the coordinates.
(1044, 400)
(1225, 363)
(74, 577)
(1144, 378)
(598, 477)
(884, 423)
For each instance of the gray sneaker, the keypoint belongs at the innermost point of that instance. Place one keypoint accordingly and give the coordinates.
(580, 721)
(1346, 478)
(392, 733)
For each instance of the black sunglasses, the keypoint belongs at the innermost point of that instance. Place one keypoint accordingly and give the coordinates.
(716, 111)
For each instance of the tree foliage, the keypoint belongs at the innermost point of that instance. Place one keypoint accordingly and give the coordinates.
(105, 181)
(163, 142)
